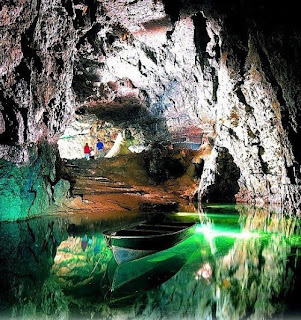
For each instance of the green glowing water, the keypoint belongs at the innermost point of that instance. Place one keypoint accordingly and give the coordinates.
(243, 263)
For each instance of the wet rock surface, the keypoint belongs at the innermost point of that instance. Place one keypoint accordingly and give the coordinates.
(60, 191)
(29, 190)
(123, 185)
(163, 69)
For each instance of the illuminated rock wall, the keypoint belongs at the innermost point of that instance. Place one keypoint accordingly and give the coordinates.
(229, 69)
(29, 190)
(37, 49)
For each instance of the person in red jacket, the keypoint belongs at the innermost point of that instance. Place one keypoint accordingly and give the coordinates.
(87, 151)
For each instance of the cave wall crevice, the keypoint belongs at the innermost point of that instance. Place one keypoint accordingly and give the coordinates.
(37, 49)
(228, 66)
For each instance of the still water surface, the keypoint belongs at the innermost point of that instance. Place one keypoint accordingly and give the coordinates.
(242, 263)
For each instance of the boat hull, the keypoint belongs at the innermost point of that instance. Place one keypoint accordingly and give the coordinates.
(131, 248)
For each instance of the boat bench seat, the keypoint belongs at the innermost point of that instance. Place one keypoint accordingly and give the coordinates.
(159, 227)
(133, 232)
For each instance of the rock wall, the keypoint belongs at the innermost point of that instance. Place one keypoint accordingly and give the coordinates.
(231, 67)
(37, 47)
(256, 114)
(29, 190)
(164, 68)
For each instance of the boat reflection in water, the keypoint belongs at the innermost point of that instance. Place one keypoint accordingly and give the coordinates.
(137, 276)
(147, 238)
(241, 262)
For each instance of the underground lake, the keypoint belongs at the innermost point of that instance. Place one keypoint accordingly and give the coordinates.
(241, 261)
(150, 160)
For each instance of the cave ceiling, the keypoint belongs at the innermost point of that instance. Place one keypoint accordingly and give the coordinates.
(229, 68)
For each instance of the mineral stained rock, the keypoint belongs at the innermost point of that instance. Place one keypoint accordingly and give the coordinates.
(163, 67)
(27, 191)
(60, 191)
(37, 47)
(229, 68)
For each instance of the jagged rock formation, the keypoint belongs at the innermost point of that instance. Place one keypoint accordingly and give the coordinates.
(37, 49)
(228, 66)
(160, 67)
(27, 191)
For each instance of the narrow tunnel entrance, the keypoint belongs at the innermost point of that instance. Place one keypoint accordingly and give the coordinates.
(227, 174)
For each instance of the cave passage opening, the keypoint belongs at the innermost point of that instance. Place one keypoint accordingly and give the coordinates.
(196, 102)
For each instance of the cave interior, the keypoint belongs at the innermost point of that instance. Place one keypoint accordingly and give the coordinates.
(197, 104)
(199, 95)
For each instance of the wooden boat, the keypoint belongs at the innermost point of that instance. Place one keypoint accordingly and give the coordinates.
(146, 238)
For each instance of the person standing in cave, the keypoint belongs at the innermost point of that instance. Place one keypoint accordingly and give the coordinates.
(92, 153)
(99, 147)
(87, 151)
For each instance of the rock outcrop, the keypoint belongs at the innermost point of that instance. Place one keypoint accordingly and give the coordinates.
(226, 66)
(29, 190)
(38, 43)
(163, 68)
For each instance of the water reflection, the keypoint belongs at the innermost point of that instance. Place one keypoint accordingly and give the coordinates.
(81, 268)
(138, 276)
(242, 262)
(26, 255)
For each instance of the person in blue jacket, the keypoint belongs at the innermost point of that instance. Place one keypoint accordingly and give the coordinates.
(99, 148)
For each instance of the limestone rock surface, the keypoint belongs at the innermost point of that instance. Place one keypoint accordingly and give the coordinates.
(229, 69)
